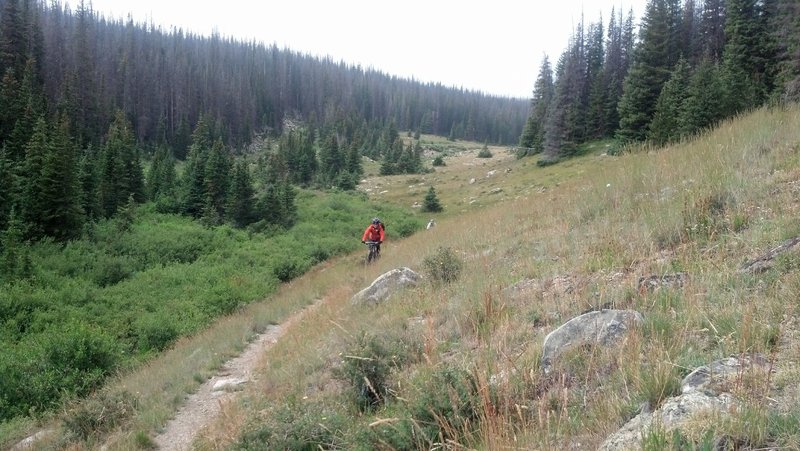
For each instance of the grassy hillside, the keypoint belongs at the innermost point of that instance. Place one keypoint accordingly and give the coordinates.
(457, 365)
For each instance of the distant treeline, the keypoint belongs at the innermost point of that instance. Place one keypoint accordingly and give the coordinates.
(86, 102)
(694, 63)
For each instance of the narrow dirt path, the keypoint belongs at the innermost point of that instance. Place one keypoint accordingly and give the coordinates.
(205, 404)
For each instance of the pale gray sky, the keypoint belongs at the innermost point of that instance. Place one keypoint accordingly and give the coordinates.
(490, 46)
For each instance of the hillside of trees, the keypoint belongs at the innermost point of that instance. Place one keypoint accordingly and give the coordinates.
(694, 63)
(87, 103)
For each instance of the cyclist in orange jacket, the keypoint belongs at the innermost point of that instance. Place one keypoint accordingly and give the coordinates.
(374, 232)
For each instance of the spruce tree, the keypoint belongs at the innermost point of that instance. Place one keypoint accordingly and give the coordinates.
(6, 180)
(664, 127)
(89, 183)
(161, 178)
(786, 34)
(703, 106)
(217, 179)
(193, 196)
(532, 139)
(61, 214)
(649, 72)
(431, 202)
(121, 173)
(30, 183)
(239, 209)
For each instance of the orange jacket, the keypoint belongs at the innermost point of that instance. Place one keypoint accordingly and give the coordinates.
(374, 232)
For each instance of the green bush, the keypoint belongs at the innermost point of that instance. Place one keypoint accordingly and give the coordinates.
(100, 414)
(64, 361)
(366, 367)
(445, 406)
(443, 266)
(155, 332)
(297, 427)
(438, 161)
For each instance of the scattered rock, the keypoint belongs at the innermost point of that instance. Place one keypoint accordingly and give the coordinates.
(651, 283)
(472, 181)
(227, 384)
(603, 327)
(706, 388)
(386, 285)
(767, 260)
(31, 442)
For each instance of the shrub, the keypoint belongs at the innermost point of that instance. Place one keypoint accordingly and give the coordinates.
(445, 407)
(485, 153)
(438, 161)
(295, 426)
(63, 361)
(366, 367)
(155, 332)
(443, 266)
(100, 414)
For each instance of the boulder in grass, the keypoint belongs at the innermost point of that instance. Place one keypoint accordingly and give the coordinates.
(386, 285)
(601, 327)
(706, 389)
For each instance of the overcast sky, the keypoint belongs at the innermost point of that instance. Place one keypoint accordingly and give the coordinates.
(493, 46)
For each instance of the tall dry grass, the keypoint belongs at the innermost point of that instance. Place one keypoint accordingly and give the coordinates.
(583, 239)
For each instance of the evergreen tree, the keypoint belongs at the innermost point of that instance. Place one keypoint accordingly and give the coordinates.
(532, 139)
(565, 126)
(786, 31)
(30, 183)
(121, 172)
(239, 209)
(217, 179)
(712, 30)
(649, 72)
(746, 56)
(161, 178)
(353, 161)
(596, 90)
(703, 106)
(13, 48)
(431, 202)
(331, 160)
(6, 183)
(89, 183)
(61, 214)
(664, 127)
(193, 179)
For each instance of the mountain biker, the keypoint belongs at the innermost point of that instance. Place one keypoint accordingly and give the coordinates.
(374, 232)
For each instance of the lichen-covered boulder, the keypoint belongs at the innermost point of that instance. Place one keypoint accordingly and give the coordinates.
(603, 327)
(386, 285)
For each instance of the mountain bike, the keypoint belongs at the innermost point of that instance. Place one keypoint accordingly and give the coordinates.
(373, 253)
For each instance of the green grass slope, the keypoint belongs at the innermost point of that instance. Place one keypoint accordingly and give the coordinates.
(456, 363)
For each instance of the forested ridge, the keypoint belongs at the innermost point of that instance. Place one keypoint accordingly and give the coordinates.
(694, 63)
(94, 98)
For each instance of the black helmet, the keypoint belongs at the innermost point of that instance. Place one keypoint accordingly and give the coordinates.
(376, 221)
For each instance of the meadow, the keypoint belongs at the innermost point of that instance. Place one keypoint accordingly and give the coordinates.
(455, 363)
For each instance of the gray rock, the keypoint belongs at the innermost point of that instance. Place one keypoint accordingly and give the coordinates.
(386, 285)
(703, 389)
(767, 260)
(604, 327)
(31, 442)
(651, 283)
(228, 384)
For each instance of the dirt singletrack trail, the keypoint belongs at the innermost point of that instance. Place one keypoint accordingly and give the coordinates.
(203, 406)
